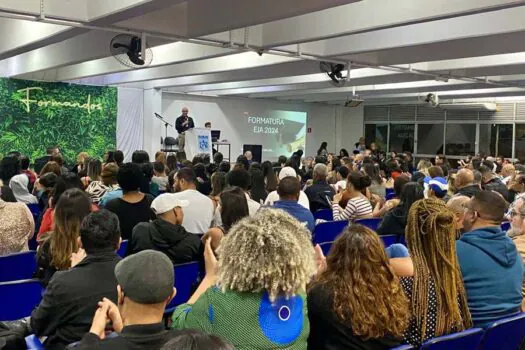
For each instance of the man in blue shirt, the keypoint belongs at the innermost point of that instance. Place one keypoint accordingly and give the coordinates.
(288, 190)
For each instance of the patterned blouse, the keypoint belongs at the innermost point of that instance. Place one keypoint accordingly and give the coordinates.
(16, 227)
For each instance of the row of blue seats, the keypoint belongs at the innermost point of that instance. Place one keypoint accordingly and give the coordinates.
(507, 333)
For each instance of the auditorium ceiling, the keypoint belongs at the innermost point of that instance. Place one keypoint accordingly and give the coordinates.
(398, 51)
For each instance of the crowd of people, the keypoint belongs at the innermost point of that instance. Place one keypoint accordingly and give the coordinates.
(250, 225)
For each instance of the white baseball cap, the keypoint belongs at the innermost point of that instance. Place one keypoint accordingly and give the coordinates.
(287, 171)
(166, 202)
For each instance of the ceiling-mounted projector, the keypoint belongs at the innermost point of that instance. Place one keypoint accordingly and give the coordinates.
(354, 101)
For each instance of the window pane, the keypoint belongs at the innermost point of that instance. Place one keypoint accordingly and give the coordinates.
(430, 138)
(376, 133)
(401, 138)
(496, 139)
(520, 142)
(460, 139)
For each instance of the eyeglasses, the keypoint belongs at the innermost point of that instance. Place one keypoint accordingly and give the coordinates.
(514, 213)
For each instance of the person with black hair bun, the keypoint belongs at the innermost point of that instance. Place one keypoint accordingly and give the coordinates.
(358, 205)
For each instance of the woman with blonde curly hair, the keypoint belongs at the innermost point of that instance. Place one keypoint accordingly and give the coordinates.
(357, 302)
(432, 277)
(259, 298)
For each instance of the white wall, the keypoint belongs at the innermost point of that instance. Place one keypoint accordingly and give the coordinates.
(339, 126)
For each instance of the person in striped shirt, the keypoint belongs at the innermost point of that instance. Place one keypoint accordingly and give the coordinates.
(358, 205)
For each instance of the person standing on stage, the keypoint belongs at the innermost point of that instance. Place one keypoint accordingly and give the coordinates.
(182, 124)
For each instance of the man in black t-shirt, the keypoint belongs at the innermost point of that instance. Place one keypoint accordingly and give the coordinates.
(182, 124)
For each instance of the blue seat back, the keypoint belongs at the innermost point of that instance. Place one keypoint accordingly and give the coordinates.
(33, 343)
(325, 247)
(18, 266)
(468, 339)
(505, 226)
(388, 240)
(19, 298)
(390, 196)
(371, 223)
(186, 277)
(123, 248)
(507, 333)
(36, 211)
(403, 347)
(324, 214)
(328, 231)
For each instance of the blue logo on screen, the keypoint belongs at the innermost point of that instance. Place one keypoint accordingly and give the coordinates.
(204, 143)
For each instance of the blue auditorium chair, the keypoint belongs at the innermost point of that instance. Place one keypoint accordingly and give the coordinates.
(19, 298)
(507, 333)
(403, 347)
(468, 339)
(186, 277)
(324, 214)
(123, 248)
(371, 223)
(390, 195)
(17, 266)
(328, 231)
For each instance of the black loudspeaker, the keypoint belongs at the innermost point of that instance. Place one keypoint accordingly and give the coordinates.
(256, 152)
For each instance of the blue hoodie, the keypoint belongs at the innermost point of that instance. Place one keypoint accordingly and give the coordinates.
(492, 272)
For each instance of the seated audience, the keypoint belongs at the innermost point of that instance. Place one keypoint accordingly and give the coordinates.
(159, 176)
(264, 265)
(357, 301)
(395, 221)
(19, 184)
(24, 169)
(166, 234)
(377, 187)
(320, 193)
(218, 184)
(42, 161)
(491, 182)
(198, 216)
(274, 196)
(189, 339)
(62, 184)
(145, 286)
(118, 157)
(341, 176)
(241, 178)
(51, 167)
(491, 266)
(43, 188)
(257, 187)
(224, 166)
(94, 170)
(57, 158)
(422, 170)
(507, 172)
(232, 208)
(56, 247)
(436, 187)
(458, 204)
(70, 300)
(465, 183)
(17, 227)
(134, 206)
(81, 164)
(431, 275)
(358, 205)
(289, 189)
(6, 194)
(398, 185)
(435, 171)
(203, 181)
(108, 182)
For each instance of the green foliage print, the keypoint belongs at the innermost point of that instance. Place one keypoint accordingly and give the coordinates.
(76, 118)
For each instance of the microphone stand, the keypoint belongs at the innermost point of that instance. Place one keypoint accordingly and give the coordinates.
(166, 123)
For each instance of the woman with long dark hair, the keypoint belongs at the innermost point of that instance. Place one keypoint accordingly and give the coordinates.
(257, 191)
(377, 187)
(270, 178)
(395, 220)
(357, 301)
(233, 206)
(57, 246)
(343, 153)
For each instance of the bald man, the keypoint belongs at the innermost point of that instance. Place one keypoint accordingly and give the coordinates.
(465, 183)
(182, 124)
(458, 204)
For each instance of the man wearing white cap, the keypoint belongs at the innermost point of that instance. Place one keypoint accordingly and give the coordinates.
(274, 196)
(166, 234)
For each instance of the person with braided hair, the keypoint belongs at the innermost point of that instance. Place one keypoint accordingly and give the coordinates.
(255, 295)
(431, 277)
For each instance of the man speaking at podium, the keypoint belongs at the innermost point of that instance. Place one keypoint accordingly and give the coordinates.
(182, 124)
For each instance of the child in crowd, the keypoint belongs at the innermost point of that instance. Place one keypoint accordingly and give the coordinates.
(160, 177)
